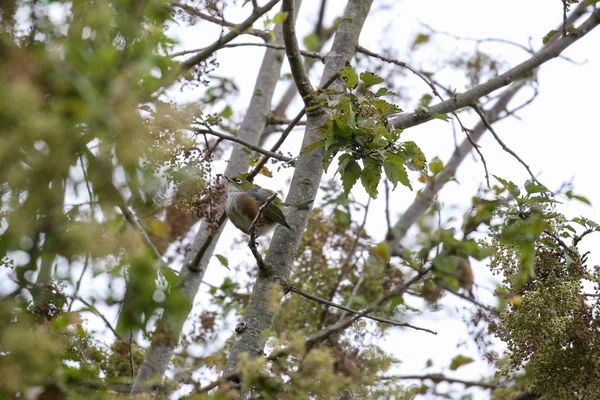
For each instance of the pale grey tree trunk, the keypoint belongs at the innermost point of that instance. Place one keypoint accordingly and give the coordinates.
(161, 350)
(260, 314)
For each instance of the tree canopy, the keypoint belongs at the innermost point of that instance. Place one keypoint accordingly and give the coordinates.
(116, 139)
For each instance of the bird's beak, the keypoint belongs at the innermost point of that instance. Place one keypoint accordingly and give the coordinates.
(229, 179)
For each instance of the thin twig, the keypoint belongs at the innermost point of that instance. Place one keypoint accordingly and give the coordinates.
(245, 143)
(309, 296)
(253, 229)
(223, 40)
(221, 22)
(402, 64)
(131, 364)
(324, 333)
(275, 46)
(94, 310)
(347, 261)
(83, 270)
(387, 206)
(502, 144)
(436, 378)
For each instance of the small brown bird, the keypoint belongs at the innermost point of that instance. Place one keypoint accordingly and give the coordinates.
(464, 273)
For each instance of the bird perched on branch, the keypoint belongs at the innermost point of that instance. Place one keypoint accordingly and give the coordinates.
(245, 198)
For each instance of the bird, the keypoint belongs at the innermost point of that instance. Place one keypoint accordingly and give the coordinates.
(464, 274)
(243, 201)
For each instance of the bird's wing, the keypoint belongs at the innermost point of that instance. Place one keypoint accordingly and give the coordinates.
(273, 212)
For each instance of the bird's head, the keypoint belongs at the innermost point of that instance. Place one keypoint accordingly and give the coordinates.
(238, 183)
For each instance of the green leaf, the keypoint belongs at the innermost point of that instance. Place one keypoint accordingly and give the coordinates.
(349, 76)
(532, 188)
(370, 79)
(280, 17)
(419, 40)
(343, 162)
(383, 92)
(223, 260)
(395, 170)
(443, 117)
(459, 361)
(371, 176)
(313, 146)
(350, 175)
(436, 166)
(549, 36)
(582, 199)
(311, 42)
(415, 159)
(227, 112)
(382, 251)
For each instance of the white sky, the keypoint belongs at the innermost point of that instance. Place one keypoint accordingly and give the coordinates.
(557, 136)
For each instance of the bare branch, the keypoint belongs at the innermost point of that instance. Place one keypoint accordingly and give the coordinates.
(246, 144)
(253, 229)
(293, 54)
(309, 296)
(489, 127)
(207, 51)
(221, 22)
(436, 378)
(550, 51)
(94, 310)
(305, 53)
(425, 199)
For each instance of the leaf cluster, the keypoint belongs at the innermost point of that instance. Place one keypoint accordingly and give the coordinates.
(358, 131)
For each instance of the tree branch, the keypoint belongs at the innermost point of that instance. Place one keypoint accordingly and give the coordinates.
(548, 52)
(221, 22)
(235, 32)
(253, 229)
(437, 378)
(294, 56)
(292, 288)
(306, 53)
(425, 198)
(245, 143)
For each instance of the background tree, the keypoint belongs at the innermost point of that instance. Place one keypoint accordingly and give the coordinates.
(105, 167)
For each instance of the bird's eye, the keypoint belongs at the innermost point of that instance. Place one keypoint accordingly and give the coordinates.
(238, 181)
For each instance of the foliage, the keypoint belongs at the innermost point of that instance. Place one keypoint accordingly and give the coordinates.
(102, 177)
(359, 130)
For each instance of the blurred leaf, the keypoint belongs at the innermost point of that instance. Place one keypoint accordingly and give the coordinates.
(436, 165)
(421, 38)
(223, 260)
(370, 79)
(311, 42)
(280, 17)
(459, 361)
